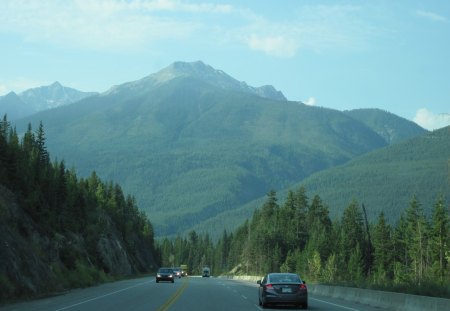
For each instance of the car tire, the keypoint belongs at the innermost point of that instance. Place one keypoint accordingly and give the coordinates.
(305, 305)
(157, 281)
(173, 281)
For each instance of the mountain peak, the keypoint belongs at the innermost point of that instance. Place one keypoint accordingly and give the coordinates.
(40, 98)
(200, 71)
(11, 94)
(56, 84)
(192, 66)
(196, 69)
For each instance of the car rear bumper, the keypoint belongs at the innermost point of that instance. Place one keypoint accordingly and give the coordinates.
(286, 299)
(164, 279)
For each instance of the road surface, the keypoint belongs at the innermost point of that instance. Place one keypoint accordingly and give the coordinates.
(186, 294)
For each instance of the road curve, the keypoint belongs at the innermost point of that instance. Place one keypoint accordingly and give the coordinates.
(186, 294)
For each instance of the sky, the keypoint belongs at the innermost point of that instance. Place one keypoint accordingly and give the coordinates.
(391, 55)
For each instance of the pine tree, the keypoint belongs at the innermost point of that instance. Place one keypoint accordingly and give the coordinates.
(416, 239)
(440, 238)
(382, 242)
(352, 238)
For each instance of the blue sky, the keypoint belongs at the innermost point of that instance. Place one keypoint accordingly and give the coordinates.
(392, 55)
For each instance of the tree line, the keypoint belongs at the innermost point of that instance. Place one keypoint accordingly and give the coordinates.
(66, 208)
(299, 236)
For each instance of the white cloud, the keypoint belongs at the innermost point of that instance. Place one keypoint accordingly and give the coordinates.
(432, 16)
(273, 45)
(137, 24)
(310, 101)
(154, 5)
(312, 27)
(103, 24)
(430, 120)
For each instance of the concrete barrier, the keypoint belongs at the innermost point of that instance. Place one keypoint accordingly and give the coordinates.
(249, 278)
(381, 299)
(376, 298)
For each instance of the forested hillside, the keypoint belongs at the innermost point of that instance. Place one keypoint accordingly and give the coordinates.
(383, 180)
(190, 142)
(298, 235)
(61, 231)
(386, 179)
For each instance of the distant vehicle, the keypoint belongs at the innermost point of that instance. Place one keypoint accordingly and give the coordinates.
(282, 289)
(177, 272)
(165, 274)
(206, 272)
(184, 270)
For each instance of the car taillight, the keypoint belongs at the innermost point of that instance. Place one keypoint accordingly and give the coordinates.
(302, 286)
(269, 286)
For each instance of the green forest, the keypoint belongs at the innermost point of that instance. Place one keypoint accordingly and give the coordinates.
(65, 217)
(63, 221)
(299, 236)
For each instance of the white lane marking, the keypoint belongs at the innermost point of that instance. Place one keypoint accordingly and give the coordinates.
(336, 305)
(258, 307)
(100, 297)
(243, 297)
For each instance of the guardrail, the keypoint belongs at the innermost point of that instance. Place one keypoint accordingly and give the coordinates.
(382, 299)
(376, 298)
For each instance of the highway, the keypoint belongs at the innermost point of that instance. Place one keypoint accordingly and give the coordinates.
(190, 293)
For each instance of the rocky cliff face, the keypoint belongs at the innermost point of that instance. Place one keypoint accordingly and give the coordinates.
(34, 263)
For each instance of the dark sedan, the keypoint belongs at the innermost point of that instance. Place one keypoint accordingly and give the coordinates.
(165, 274)
(282, 289)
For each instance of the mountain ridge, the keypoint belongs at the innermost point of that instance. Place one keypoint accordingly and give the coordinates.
(203, 72)
(188, 148)
(369, 180)
(39, 99)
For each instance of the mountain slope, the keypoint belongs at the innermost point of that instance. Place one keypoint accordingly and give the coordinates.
(389, 126)
(387, 179)
(189, 147)
(384, 180)
(39, 99)
(13, 106)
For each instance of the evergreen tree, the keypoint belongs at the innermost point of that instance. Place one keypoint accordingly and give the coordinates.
(382, 241)
(416, 233)
(352, 239)
(440, 239)
(319, 228)
(401, 259)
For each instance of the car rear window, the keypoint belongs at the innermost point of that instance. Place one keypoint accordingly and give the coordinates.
(284, 278)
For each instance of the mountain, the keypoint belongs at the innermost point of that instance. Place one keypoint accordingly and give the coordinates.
(387, 179)
(13, 106)
(384, 180)
(198, 71)
(190, 142)
(39, 99)
(388, 125)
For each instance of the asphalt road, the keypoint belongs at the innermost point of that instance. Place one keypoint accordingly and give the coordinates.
(186, 294)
